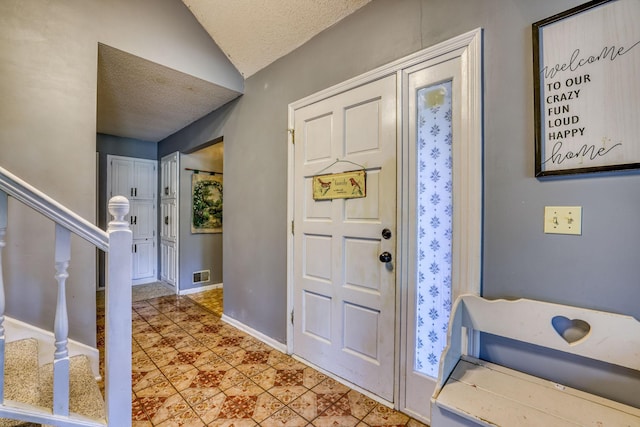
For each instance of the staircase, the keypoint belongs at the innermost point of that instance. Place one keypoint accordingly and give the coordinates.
(64, 392)
(32, 385)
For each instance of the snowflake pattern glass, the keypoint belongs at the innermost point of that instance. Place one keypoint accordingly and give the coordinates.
(434, 211)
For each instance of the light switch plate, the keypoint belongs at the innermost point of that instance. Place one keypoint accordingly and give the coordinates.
(563, 220)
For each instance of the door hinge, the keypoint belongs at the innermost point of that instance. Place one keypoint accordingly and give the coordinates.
(292, 228)
(292, 317)
(293, 135)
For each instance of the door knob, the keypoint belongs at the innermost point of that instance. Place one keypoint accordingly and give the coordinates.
(386, 234)
(385, 257)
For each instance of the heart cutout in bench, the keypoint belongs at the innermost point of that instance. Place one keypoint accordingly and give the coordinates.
(571, 330)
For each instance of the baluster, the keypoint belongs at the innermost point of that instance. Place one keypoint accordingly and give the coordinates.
(61, 325)
(4, 213)
(118, 316)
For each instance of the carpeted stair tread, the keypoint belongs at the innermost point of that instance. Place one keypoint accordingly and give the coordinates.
(26, 382)
(84, 394)
(21, 375)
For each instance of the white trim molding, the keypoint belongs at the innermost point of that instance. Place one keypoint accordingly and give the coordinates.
(256, 334)
(199, 289)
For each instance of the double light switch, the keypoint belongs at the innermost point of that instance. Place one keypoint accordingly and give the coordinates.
(563, 219)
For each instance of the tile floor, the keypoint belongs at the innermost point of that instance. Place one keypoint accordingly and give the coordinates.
(191, 369)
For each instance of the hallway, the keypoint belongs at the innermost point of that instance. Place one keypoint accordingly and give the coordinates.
(191, 369)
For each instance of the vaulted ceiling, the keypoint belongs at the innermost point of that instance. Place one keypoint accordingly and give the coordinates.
(143, 100)
(254, 33)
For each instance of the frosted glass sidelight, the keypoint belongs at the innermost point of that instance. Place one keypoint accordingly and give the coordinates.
(434, 213)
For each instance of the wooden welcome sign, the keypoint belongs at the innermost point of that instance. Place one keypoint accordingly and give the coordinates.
(345, 185)
(586, 63)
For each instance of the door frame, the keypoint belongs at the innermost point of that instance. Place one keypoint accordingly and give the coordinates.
(468, 46)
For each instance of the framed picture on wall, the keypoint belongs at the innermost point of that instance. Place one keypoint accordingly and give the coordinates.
(586, 63)
(206, 197)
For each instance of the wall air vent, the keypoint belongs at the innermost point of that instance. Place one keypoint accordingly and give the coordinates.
(202, 276)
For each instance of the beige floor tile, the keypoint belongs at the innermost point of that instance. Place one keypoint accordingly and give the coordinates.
(191, 369)
(161, 389)
(360, 404)
(266, 405)
(285, 417)
(161, 356)
(187, 418)
(209, 409)
(287, 394)
(330, 386)
(246, 387)
(196, 395)
(384, 416)
(306, 405)
(170, 408)
(143, 379)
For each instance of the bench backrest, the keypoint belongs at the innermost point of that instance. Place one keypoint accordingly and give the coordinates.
(609, 337)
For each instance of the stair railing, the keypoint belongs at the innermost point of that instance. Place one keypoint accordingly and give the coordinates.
(116, 242)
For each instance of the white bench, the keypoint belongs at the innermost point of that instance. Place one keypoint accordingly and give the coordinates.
(473, 392)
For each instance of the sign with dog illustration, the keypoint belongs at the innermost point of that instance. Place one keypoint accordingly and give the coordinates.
(345, 185)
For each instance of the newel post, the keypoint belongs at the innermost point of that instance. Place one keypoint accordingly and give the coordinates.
(118, 316)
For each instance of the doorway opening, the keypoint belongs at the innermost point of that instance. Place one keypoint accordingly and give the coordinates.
(200, 207)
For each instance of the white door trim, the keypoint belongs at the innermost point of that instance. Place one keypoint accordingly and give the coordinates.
(468, 46)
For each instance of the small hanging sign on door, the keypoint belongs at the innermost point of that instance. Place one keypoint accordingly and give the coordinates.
(345, 185)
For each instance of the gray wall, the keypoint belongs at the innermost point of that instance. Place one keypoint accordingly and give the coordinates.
(48, 75)
(198, 251)
(598, 269)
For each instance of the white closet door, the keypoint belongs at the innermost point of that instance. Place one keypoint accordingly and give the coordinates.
(136, 179)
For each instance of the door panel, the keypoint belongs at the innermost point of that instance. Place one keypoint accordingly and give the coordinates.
(145, 180)
(344, 297)
(122, 177)
(168, 261)
(168, 215)
(143, 259)
(142, 219)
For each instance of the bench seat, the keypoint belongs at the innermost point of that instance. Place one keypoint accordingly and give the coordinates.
(492, 395)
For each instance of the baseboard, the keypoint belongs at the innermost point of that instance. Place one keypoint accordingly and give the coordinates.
(256, 334)
(16, 330)
(199, 289)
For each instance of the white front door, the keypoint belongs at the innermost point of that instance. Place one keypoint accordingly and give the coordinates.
(415, 126)
(344, 296)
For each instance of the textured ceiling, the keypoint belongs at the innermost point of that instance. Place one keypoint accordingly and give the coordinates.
(143, 100)
(147, 101)
(254, 33)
